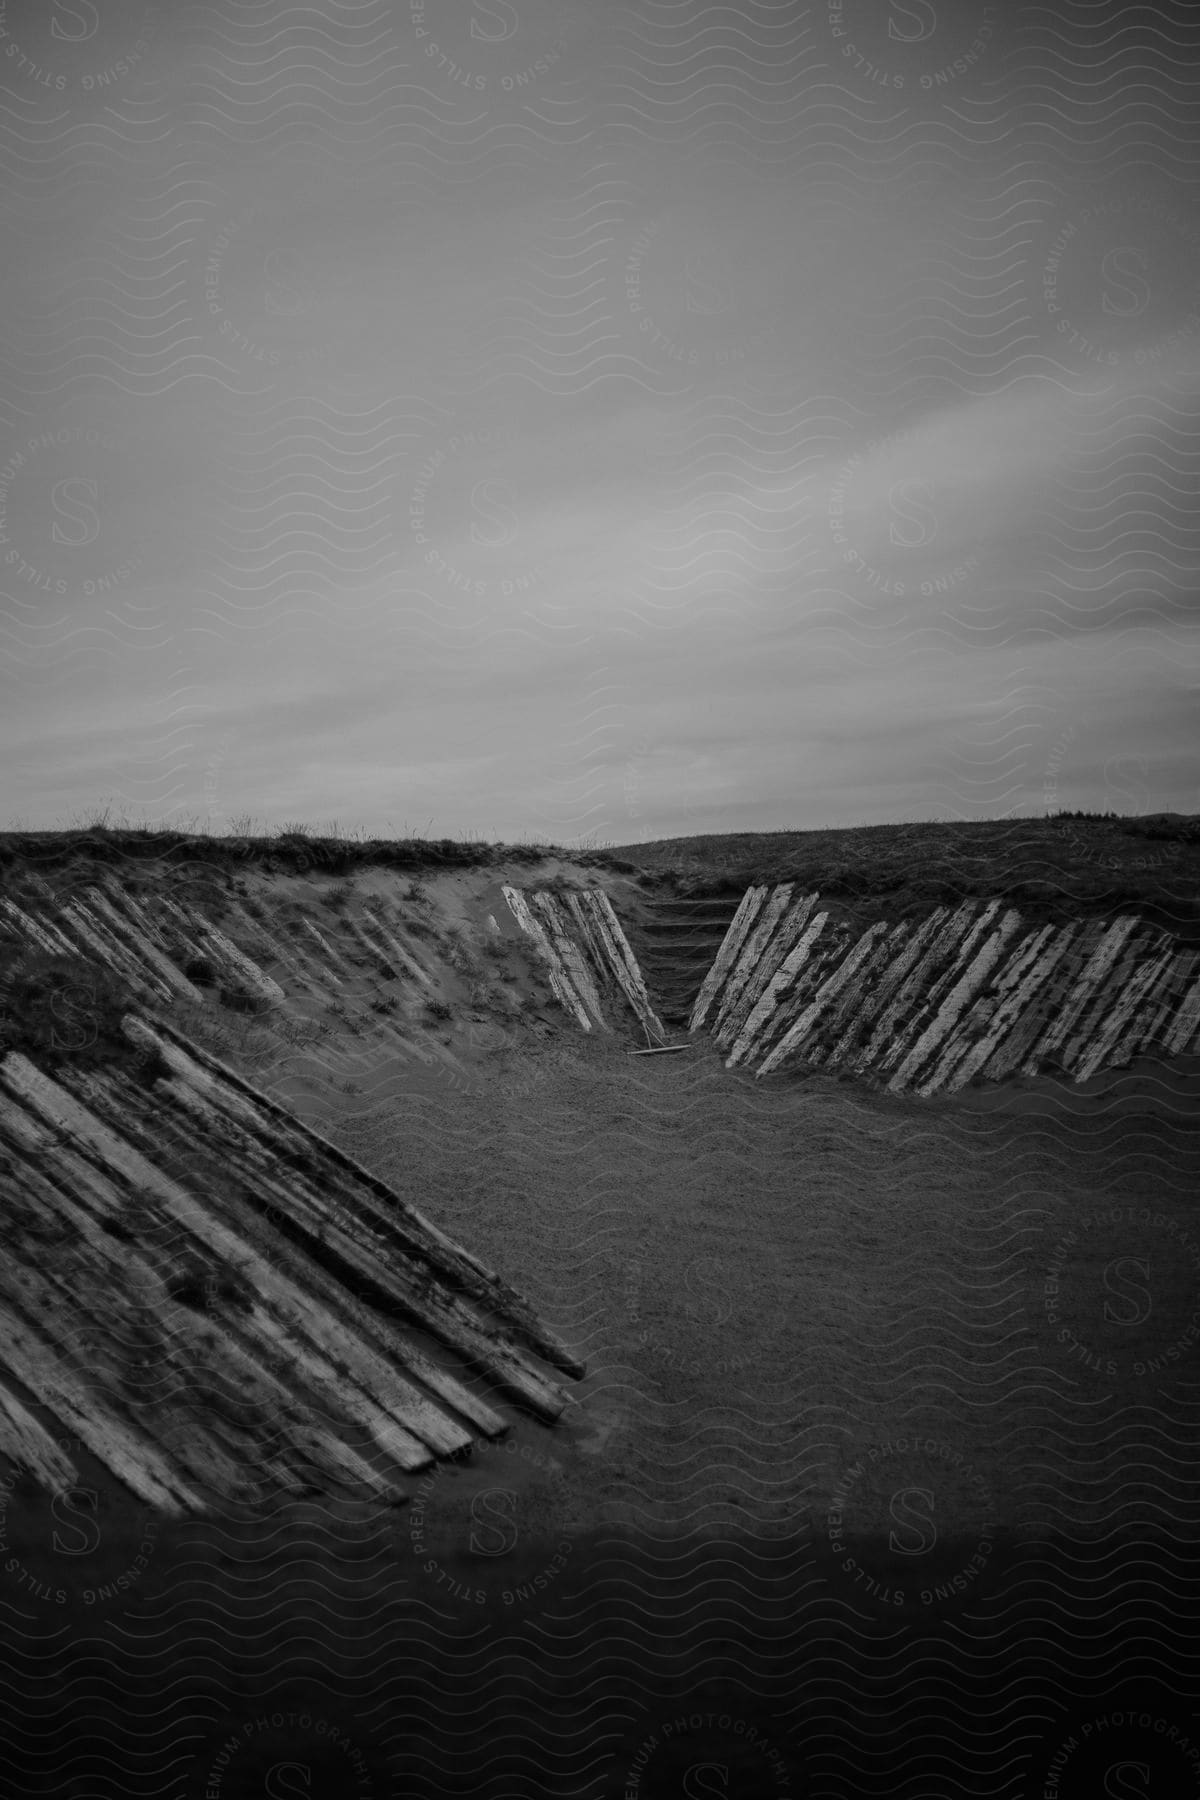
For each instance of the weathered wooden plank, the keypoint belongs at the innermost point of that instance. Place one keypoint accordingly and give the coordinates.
(570, 957)
(254, 1182)
(1183, 1026)
(43, 934)
(1163, 1001)
(855, 1000)
(390, 922)
(405, 1230)
(1068, 954)
(800, 1027)
(1103, 1043)
(978, 1017)
(315, 1338)
(132, 1457)
(1022, 982)
(1094, 972)
(559, 980)
(112, 954)
(763, 1012)
(1105, 996)
(938, 969)
(929, 950)
(782, 940)
(726, 955)
(242, 966)
(824, 959)
(751, 955)
(140, 945)
(594, 903)
(590, 941)
(100, 1304)
(27, 1443)
(968, 983)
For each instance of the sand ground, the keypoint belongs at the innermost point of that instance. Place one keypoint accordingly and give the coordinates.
(890, 1413)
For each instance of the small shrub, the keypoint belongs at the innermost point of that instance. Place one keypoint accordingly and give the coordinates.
(438, 1009)
(244, 1000)
(58, 1009)
(339, 895)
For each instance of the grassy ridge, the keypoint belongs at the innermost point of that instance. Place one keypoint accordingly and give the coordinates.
(296, 852)
(1053, 868)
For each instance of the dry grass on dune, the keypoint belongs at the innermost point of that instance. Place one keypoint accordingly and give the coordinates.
(1052, 868)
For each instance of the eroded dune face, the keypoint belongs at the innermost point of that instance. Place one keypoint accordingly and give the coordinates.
(218, 1304)
(210, 1298)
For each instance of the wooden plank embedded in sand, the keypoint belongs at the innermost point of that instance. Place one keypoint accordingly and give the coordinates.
(560, 981)
(763, 1012)
(1094, 973)
(594, 908)
(43, 934)
(755, 947)
(782, 940)
(361, 1196)
(139, 944)
(28, 1444)
(829, 989)
(310, 1342)
(1103, 1043)
(967, 1051)
(967, 984)
(727, 954)
(570, 957)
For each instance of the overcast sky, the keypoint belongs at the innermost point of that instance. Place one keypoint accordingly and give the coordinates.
(597, 422)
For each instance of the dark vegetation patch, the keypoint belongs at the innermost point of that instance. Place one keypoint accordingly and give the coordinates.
(243, 1000)
(208, 1290)
(293, 852)
(63, 1011)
